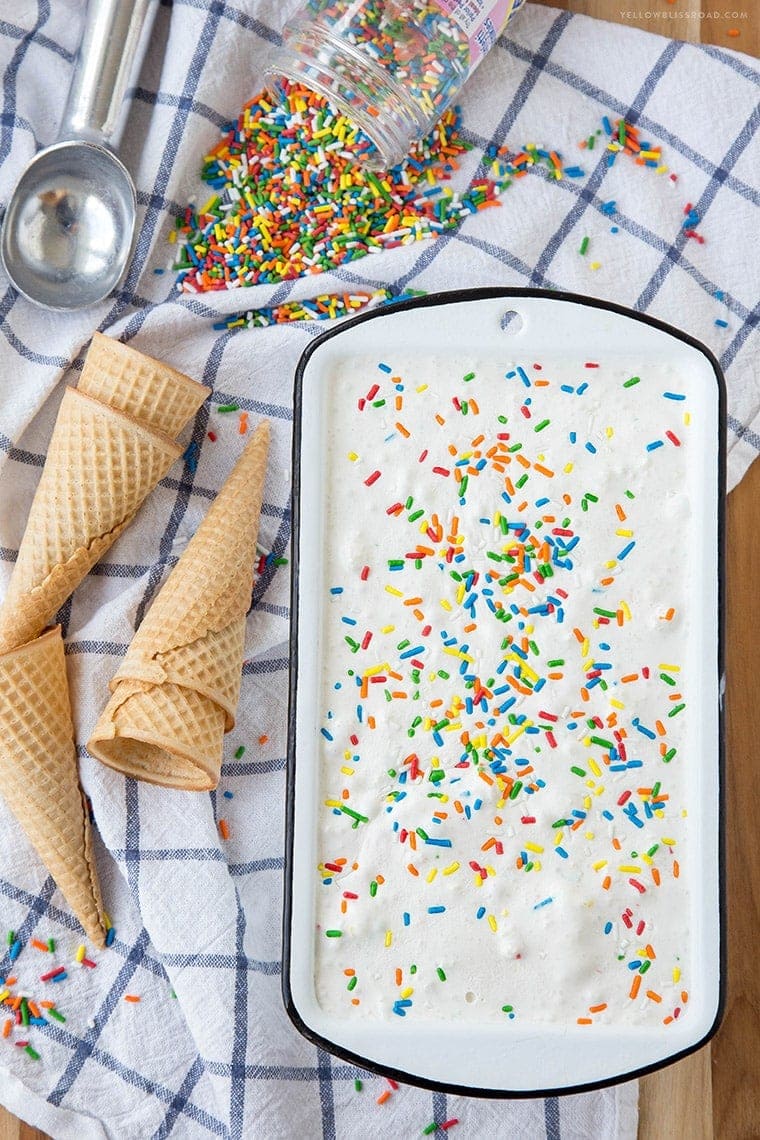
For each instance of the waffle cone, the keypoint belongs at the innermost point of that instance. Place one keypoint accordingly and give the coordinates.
(101, 464)
(38, 772)
(189, 648)
(148, 390)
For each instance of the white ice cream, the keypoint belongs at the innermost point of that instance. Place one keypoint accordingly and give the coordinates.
(551, 839)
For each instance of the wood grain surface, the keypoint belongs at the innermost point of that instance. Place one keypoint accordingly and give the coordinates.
(714, 1094)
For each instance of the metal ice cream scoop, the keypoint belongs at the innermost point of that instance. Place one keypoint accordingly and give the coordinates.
(70, 223)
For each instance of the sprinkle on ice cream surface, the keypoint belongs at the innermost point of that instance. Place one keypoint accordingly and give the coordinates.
(505, 734)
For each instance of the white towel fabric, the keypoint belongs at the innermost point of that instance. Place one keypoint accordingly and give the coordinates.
(196, 916)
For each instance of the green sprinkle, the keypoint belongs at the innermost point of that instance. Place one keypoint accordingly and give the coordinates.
(358, 1085)
(228, 408)
(630, 383)
(584, 246)
(429, 1129)
(51, 945)
(630, 495)
(333, 934)
(440, 973)
(507, 1008)
(577, 771)
(542, 425)
(24, 1012)
(422, 834)
(676, 710)
(468, 377)
(352, 983)
(11, 937)
(668, 755)
(373, 888)
(644, 966)
(668, 680)
(522, 481)
(56, 1015)
(556, 662)
(412, 969)
(604, 613)
(32, 1053)
(239, 751)
(601, 742)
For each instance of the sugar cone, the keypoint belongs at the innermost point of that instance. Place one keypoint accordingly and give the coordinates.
(38, 772)
(176, 692)
(100, 467)
(150, 391)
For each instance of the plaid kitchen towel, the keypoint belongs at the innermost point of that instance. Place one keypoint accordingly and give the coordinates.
(208, 1049)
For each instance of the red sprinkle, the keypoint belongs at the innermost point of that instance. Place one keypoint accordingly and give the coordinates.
(365, 572)
(373, 478)
(441, 471)
(212, 436)
(52, 973)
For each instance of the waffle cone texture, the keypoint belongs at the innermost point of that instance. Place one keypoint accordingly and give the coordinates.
(111, 444)
(176, 692)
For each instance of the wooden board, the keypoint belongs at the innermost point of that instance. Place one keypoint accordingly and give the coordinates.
(715, 1094)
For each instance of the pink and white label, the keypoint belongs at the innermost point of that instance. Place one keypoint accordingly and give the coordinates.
(481, 21)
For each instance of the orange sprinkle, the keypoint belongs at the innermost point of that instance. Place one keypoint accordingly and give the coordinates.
(733, 32)
(629, 677)
(243, 426)
(616, 844)
(684, 996)
(579, 637)
(655, 876)
(380, 879)
(666, 1020)
(370, 722)
(669, 614)
(384, 1096)
(131, 997)
(263, 740)
(620, 512)
(606, 883)
(412, 869)
(47, 1004)
(635, 986)
(40, 946)
(653, 996)
(224, 829)
(597, 1008)
(399, 976)
(585, 1021)
(34, 1009)
(649, 951)
(7, 1026)
(349, 973)
(440, 419)
(355, 1001)
(543, 470)
(474, 407)
(676, 869)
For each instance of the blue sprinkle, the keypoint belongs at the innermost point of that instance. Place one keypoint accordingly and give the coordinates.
(15, 950)
(407, 918)
(590, 447)
(607, 927)
(544, 902)
(624, 554)
(721, 324)
(480, 912)
(336, 589)
(673, 396)
(327, 735)
(228, 795)
(654, 445)
(561, 851)
(110, 936)
(385, 367)
(438, 842)
(436, 909)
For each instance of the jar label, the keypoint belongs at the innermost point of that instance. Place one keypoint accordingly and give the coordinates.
(481, 21)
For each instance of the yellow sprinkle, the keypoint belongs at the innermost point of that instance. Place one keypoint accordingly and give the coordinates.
(670, 668)
(568, 468)
(446, 605)
(595, 265)
(676, 973)
(452, 867)
(624, 533)
(432, 874)
(388, 937)
(611, 564)
(626, 611)
(374, 669)
(594, 766)
(422, 387)
(534, 847)
(589, 835)
(609, 432)
(172, 236)
(557, 838)
(392, 590)
(599, 864)
(81, 953)
(630, 868)
(687, 418)
(407, 992)
(669, 842)
(492, 923)
(388, 629)
(584, 647)
(347, 771)
(352, 455)
(478, 880)
(616, 704)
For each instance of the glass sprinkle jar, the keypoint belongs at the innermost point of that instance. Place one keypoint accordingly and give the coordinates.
(391, 66)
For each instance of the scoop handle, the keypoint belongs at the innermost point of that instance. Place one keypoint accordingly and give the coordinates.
(115, 36)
